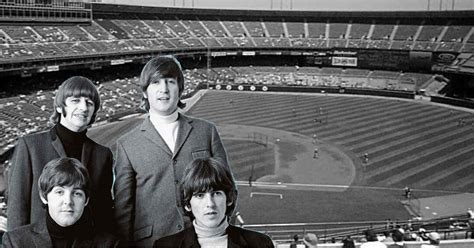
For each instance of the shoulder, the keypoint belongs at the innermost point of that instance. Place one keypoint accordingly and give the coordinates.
(20, 234)
(144, 124)
(133, 134)
(100, 148)
(252, 237)
(196, 121)
(36, 137)
(97, 145)
(22, 229)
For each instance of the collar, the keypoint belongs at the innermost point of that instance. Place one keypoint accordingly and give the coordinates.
(68, 135)
(167, 119)
(81, 227)
(234, 239)
(205, 232)
(149, 132)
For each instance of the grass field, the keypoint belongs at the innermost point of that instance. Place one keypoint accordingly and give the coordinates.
(409, 143)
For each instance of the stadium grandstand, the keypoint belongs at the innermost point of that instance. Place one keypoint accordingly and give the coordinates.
(384, 98)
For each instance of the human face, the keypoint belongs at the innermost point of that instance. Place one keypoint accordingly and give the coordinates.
(163, 96)
(65, 204)
(77, 113)
(209, 208)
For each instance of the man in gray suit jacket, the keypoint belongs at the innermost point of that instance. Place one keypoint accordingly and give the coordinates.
(151, 158)
(75, 108)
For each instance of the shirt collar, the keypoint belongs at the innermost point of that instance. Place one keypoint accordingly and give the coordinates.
(166, 119)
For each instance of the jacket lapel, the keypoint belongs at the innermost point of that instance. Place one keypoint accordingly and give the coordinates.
(184, 129)
(41, 236)
(86, 153)
(56, 142)
(190, 239)
(235, 240)
(151, 134)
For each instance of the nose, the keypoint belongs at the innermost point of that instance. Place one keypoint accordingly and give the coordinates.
(210, 202)
(163, 86)
(82, 104)
(67, 198)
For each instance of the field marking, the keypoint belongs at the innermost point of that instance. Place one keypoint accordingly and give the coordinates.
(263, 185)
(301, 185)
(264, 193)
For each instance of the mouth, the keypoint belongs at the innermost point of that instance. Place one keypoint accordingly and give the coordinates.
(83, 116)
(163, 98)
(211, 213)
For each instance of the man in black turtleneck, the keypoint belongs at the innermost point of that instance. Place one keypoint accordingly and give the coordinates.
(75, 108)
(64, 189)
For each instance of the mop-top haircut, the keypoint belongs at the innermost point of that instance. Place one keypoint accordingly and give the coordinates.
(63, 172)
(76, 86)
(157, 68)
(204, 175)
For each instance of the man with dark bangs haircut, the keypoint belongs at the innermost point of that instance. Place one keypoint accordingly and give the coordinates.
(151, 158)
(209, 198)
(75, 108)
(64, 188)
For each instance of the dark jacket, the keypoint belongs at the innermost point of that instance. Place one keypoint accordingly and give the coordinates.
(148, 175)
(32, 153)
(37, 235)
(237, 238)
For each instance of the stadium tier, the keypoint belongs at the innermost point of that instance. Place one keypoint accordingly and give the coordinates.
(195, 33)
(139, 32)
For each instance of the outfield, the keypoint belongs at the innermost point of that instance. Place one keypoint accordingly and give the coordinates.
(410, 143)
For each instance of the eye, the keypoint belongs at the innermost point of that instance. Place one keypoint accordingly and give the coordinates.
(199, 195)
(75, 100)
(58, 192)
(79, 193)
(218, 193)
(171, 81)
(90, 103)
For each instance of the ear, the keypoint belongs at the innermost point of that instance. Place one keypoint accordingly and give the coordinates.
(144, 95)
(43, 200)
(187, 207)
(59, 110)
(230, 203)
(87, 201)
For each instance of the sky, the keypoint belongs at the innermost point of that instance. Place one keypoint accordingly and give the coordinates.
(315, 5)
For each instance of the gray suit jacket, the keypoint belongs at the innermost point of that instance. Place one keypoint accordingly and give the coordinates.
(32, 153)
(148, 202)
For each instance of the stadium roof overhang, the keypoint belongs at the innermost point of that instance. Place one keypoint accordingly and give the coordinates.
(100, 9)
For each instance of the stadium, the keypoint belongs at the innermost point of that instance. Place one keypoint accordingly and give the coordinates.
(326, 116)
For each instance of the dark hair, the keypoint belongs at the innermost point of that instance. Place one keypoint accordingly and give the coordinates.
(397, 236)
(161, 67)
(203, 175)
(76, 86)
(63, 172)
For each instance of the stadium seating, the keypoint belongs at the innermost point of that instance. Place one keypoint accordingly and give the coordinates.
(317, 30)
(406, 32)
(134, 34)
(430, 33)
(296, 29)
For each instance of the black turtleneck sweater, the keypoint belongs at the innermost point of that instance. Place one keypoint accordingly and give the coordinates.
(72, 141)
(63, 237)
